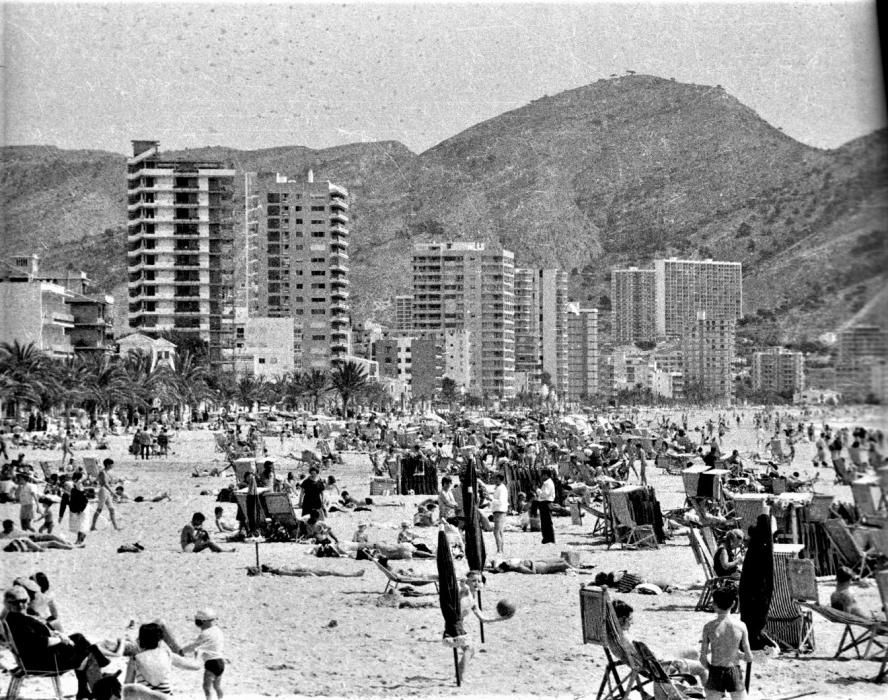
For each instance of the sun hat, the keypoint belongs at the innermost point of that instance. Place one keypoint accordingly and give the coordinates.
(16, 593)
(205, 614)
(27, 584)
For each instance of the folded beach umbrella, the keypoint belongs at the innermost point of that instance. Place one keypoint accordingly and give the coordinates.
(475, 552)
(757, 582)
(448, 596)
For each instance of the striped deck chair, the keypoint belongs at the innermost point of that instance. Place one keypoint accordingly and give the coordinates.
(703, 555)
(882, 583)
(395, 580)
(846, 547)
(787, 623)
(866, 493)
(627, 532)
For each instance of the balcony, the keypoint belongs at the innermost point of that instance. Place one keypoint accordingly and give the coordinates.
(338, 203)
(338, 216)
(337, 264)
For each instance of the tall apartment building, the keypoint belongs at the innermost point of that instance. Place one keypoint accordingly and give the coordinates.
(708, 355)
(404, 313)
(394, 355)
(779, 370)
(465, 286)
(541, 327)
(180, 256)
(582, 353)
(298, 262)
(861, 343)
(684, 288)
(633, 306)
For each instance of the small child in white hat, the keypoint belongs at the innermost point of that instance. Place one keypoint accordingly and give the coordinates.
(209, 645)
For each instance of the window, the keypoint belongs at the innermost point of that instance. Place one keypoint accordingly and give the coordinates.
(317, 208)
(274, 275)
(261, 360)
(319, 285)
(318, 260)
(274, 211)
(318, 273)
(318, 221)
(317, 234)
(298, 221)
(297, 208)
(319, 337)
(274, 223)
(274, 301)
(274, 198)
(319, 300)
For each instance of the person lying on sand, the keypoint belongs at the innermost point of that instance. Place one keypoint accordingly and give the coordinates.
(300, 571)
(529, 566)
(120, 496)
(22, 541)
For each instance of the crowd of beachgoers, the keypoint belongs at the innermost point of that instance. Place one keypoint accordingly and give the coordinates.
(375, 491)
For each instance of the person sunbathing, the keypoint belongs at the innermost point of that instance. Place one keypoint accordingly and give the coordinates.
(22, 541)
(842, 598)
(301, 571)
(529, 566)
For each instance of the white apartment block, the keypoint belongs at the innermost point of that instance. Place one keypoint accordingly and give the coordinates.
(263, 347)
(465, 286)
(541, 327)
(684, 288)
(778, 370)
(582, 353)
(708, 356)
(297, 250)
(404, 313)
(180, 247)
(632, 305)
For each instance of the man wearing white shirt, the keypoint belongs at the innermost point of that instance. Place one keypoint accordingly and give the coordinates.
(545, 496)
(499, 504)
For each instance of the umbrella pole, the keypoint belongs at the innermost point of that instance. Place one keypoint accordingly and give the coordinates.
(481, 622)
(456, 668)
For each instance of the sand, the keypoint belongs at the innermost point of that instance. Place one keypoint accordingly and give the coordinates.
(326, 636)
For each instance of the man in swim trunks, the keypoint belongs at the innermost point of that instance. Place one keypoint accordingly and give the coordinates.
(724, 638)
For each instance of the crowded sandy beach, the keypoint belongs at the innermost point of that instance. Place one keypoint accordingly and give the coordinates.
(334, 633)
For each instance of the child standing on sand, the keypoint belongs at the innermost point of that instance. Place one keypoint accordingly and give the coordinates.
(209, 646)
(723, 640)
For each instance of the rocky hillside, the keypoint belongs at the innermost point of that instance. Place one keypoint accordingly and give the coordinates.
(610, 174)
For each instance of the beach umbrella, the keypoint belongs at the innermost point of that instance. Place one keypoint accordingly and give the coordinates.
(757, 582)
(448, 596)
(475, 553)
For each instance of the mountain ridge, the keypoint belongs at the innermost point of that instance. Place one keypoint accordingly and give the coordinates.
(608, 174)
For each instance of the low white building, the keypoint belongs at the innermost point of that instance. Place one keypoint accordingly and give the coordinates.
(264, 347)
(161, 350)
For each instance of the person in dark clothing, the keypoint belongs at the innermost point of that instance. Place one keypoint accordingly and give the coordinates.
(311, 495)
(727, 558)
(545, 498)
(44, 649)
(757, 582)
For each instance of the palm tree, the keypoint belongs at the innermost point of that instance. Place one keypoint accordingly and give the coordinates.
(250, 390)
(147, 382)
(315, 383)
(106, 385)
(190, 380)
(25, 372)
(348, 378)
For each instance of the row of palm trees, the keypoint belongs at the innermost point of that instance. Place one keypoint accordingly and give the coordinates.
(135, 384)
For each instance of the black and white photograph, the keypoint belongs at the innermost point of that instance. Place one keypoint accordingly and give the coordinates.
(457, 294)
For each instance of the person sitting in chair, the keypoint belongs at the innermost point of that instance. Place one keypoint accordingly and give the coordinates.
(842, 598)
(44, 649)
(727, 559)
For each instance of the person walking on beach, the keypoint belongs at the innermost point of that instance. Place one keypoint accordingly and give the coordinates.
(66, 447)
(544, 499)
(500, 507)
(104, 495)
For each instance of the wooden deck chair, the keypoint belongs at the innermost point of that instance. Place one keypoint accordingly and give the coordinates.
(394, 581)
(47, 470)
(242, 466)
(665, 687)
(844, 475)
(626, 531)
(787, 623)
(703, 555)
(866, 493)
(802, 580)
(19, 674)
(91, 467)
(778, 485)
(600, 626)
(279, 509)
(221, 444)
(846, 547)
(867, 629)
(261, 516)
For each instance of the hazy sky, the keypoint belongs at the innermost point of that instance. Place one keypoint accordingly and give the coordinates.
(250, 75)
